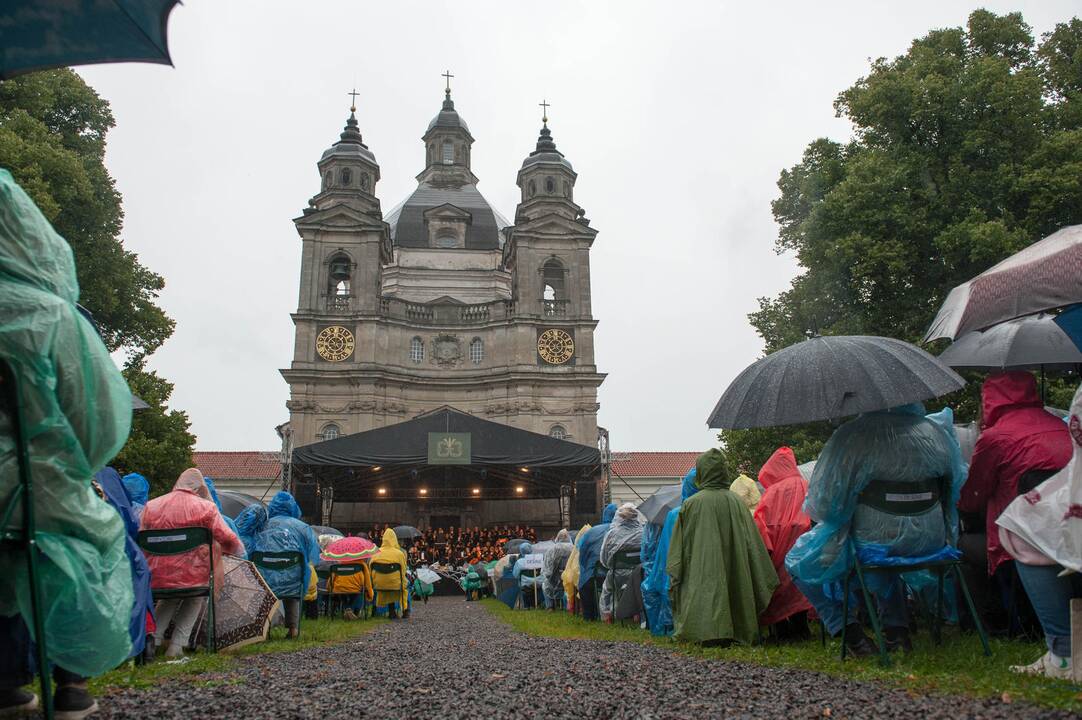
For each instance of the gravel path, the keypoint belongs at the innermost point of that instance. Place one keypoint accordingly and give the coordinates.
(454, 659)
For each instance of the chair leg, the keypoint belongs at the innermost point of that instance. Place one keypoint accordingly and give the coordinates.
(937, 620)
(212, 640)
(973, 610)
(873, 614)
(845, 614)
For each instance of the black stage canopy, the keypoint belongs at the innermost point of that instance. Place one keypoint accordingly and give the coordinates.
(446, 455)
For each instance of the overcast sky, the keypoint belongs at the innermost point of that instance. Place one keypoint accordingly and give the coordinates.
(678, 117)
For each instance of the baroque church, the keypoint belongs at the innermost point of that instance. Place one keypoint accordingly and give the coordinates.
(442, 301)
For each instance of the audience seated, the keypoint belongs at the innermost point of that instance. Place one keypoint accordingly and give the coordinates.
(589, 545)
(552, 568)
(625, 534)
(720, 573)
(655, 584)
(458, 547)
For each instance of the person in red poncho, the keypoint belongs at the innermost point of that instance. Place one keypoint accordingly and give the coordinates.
(781, 520)
(188, 505)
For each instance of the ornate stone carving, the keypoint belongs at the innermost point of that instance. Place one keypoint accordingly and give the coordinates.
(446, 350)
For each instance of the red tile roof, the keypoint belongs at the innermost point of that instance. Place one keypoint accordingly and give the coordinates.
(653, 464)
(241, 465)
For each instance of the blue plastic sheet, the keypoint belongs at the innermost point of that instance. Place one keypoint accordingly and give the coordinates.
(899, 445)
(655, 584)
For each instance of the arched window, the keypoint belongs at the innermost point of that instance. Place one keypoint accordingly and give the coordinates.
(364, 181)
(531, 188)
(553, 283)
(338, 278)
(550, 185)
(477, 351)
(558, 431)
(330, 432)
(327, 180)
(446, 238)
(417, 350)
(448, 152)
(347, 176)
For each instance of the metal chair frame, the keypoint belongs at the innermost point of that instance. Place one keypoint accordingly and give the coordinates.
(627, 559)
(335, 572)
(177, 541)
(283, 560)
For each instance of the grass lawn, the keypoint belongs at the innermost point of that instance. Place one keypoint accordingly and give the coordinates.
(958, 666)
(205, 668)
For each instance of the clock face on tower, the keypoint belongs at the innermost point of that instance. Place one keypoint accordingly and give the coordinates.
(335, 343)
(555, 346)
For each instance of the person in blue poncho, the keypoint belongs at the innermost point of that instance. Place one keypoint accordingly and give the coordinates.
(590, 580)
(214, 497)
(116, 494)
(285, 531)
(655, 583)
(138, 489)
(906, 470)
(250, 523)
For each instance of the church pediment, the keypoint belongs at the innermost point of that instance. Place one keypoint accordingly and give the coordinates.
(554, 225)
(447, 211)
(342, 215)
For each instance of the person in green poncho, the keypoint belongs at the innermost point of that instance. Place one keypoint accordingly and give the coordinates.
(721, 574)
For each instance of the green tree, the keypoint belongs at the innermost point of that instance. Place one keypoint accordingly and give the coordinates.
(965, 149)
(52, 139)
(160, 444)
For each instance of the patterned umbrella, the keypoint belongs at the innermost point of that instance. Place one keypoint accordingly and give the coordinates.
(243, 610)
(350, 549)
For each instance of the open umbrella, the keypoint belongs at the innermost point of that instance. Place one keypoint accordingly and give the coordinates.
(511, 546)
(1043, 276)
(243, 610)
(348, 550)
(324, 530)
(42, 34)
(234, 502)
(658, 505)
(1028, 343)
(405, 533)
(824, 378)
(427, 575)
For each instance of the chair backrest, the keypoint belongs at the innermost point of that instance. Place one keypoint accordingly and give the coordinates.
(345, 570)
(1030, 479)
(277, 560)
(627, 558)
(386, 568)
(174, 541)
(894, 497)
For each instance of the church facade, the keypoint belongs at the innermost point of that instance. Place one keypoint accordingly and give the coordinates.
(442, 301)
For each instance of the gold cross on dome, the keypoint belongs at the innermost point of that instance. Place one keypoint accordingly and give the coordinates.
(447, 74)
(544, 110)
(353, 103)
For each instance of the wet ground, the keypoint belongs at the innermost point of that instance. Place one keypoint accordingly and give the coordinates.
(453, 659)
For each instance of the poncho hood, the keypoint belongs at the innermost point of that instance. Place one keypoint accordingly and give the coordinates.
(137, 487)
(191, 480)
(32, 252)
(390, 540)
(283, 505)
(1005, 391)
(688, 486)
(213, 492)
(746, 489)
(563, 536)
(251, 521)
(781, 466)
(608, 513)
(712, 471)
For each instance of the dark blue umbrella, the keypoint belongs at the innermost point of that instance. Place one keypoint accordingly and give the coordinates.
(43, 34)
(825, 378)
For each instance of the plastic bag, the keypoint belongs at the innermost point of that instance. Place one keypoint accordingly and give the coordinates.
(77, 411)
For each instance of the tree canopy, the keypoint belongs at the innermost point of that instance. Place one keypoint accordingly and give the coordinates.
(965, 149)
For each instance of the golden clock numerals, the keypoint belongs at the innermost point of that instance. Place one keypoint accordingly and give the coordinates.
(335, 343)
(555, 346)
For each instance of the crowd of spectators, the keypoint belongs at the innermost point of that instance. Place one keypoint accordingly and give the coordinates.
(460, 545)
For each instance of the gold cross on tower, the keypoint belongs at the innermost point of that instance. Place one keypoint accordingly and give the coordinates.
(353, 103)
(447, 74)
(544, 111)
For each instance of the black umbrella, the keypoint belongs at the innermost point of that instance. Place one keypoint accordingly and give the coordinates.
(1029, 343)
(235, 502)
(831, 377)
(43, 34)
(658, 505)
(405, 533)
(511, 547)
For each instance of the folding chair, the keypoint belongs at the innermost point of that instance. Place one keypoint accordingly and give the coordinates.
(177, 541)
(535, 575)
(907, 499)
(624, 562)
(284, 560)
(386, 578)
(24, 539)
(341, 571)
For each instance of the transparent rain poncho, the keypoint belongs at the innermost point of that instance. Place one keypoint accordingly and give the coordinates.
(625, 533)
(77, 413)
(553, 564)
(899, 446)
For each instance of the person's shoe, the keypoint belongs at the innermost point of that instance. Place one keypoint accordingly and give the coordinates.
(348, 614)
(857, 643)
(74, 703)
(1055, 668)
(17, 701)
(292, 633)
(897, 638)
(406, 614)
(392, 613)
(174, 651)
(150, 649)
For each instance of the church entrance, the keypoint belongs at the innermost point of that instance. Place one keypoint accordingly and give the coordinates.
(447, 469)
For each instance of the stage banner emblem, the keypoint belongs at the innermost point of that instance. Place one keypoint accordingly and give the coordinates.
(449, 449)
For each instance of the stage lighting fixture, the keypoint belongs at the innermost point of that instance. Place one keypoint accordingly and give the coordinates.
(424, 491)
(382, 491)
(477, 491)
(520, 489)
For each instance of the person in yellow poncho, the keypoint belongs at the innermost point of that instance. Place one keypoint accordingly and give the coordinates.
(748, 492)
(570, 575)
(391, 588)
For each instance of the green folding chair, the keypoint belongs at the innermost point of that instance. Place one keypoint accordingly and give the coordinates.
(910, 499)
(22, 537)
(279, 561)
(341, 571)
(178, 541)
(386, 568)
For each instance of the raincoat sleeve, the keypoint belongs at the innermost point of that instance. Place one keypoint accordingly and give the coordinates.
(675, 563)
(224, 536)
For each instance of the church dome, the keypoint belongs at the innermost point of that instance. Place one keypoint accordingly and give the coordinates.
(546, 152)
(350, 145)
(448, 117)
